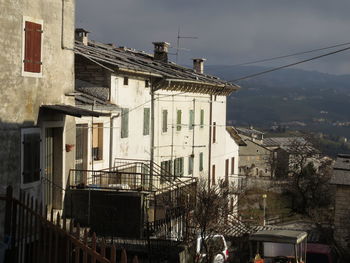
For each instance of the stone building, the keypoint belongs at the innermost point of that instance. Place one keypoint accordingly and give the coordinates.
(341, 179)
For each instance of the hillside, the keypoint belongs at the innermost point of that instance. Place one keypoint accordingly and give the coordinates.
(290, 97)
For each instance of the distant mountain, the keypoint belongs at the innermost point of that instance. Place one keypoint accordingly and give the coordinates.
(312, 100)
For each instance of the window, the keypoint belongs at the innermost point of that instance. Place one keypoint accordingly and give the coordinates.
(191, 120)
(226, 169)
(165, 121)
(201, 162)
(146, 119)
(30, 155)
(178, 120)
(213, 181)
(202, 119)
(125, 123)
(166, 170)
(233, 165)
(214, 132)
(256, 171)
(178, 167)
(190, 164)
(32, 47)
(126, 81)
(97, 141)
(147, 83)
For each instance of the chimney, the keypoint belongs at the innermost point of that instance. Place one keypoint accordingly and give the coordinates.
(161, 51)
(198, 65)
(82, 35)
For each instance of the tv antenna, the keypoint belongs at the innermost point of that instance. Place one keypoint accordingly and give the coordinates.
(178, 48)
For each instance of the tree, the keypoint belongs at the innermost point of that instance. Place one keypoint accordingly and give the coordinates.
(308, 179)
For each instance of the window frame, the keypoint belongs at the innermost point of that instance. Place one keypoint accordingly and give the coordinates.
(125, 81)
(179, 167)
(25, 131)
(36, 21)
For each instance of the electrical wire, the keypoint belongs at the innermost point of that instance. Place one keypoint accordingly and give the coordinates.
(289, 65)
(290, 55)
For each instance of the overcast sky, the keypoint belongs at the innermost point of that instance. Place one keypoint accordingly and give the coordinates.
(228, 31)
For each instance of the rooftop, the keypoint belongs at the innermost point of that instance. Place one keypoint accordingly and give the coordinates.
(234, 135)
(341, 170)
(170, 76)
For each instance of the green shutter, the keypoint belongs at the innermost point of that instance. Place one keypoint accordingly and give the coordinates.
(146, 118)
(201, 162)
(191, 120)
(125, 123)
(165, 121)
(202, 118)
(178, 120)
(190, 165)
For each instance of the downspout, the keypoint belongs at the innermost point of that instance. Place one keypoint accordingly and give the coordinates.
(111, 141)
(151, 137)
(210, 121)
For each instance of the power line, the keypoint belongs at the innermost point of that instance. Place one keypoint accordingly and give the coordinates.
(289, 65)
(290, 55)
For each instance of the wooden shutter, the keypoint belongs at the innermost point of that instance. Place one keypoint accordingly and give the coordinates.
(165, 121)
(214, 132)
(213, 174)
(202, 118)
(233, 165)
(32, 47)
(125, 123)
(178, 120)
(226, 169)
(146, 118)
(31, 157)
(201, 162)
(191, 120)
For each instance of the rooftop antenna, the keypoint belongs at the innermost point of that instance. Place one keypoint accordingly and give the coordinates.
(178, 43)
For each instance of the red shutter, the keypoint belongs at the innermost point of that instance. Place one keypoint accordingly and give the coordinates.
(233, 165)
(213, 175)
(32, 49)
(226, 170)
(214, 132)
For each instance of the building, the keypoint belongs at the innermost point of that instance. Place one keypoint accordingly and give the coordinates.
(166, 126)
(341, 179)
(37, 116)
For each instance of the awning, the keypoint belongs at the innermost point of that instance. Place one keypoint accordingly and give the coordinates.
(74, 111)
(279, 236)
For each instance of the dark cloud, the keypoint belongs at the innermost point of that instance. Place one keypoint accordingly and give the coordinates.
(228, 31)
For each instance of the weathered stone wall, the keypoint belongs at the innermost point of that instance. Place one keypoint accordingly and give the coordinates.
(90, 72)
(342, 216)
(22, 96)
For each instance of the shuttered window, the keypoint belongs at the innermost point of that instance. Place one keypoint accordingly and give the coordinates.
(165, 120)
(226, 169)
(146, 119)
(97, 141)
(202, 119)
(201, 162)
(125, 123)
(214, 132)
(190, 165)
(191, 120)
(166, 170)
(32, 47)
(179, 167)
(232, 165)
(213, 180)
(178, 120)
(31, 157)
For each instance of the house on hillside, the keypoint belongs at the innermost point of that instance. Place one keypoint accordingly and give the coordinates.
(167, 127)
(341, 179)
(255, 160)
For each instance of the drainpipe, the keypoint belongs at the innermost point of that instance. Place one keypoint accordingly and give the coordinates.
(210, 121)
(152, 136)
(111, 141)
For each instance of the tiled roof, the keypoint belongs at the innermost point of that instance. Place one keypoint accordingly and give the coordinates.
(283, 141)
(248, 131)
(171, 74)
(234, 135)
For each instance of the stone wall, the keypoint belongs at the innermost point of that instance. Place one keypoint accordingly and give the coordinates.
(342, 216)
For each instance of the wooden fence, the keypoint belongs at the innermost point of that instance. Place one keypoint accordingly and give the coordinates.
(33, 238)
